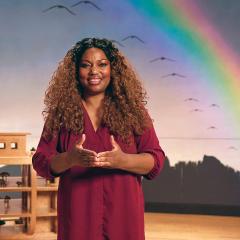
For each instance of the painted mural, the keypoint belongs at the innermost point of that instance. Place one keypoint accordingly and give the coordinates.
(187, 53)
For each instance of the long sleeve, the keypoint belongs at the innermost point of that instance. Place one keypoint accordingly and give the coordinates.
(47, 148)
(148, 143)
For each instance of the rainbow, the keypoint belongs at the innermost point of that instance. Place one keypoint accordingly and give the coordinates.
(184, 21)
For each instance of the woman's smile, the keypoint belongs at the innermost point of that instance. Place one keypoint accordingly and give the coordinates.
(94, 80)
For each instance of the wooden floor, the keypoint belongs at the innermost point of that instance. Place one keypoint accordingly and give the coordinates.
(191, 227)
(160, 226)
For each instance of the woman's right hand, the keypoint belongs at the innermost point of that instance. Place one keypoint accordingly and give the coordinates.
(81, 156)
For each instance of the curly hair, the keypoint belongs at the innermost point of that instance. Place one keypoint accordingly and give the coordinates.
(124, 111)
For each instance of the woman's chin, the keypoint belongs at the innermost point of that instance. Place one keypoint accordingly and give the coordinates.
(94, 90)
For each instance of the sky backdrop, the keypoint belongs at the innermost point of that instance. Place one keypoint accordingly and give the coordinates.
(193, 88)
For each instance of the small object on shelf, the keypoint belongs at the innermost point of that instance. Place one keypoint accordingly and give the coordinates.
(3, 183)
(32, 151)
(19, 183)
(19, 221)
(6, 202)
(4, 175)
(48, 182)
(2, 222)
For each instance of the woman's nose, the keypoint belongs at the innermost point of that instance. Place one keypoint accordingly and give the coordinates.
(94, 70)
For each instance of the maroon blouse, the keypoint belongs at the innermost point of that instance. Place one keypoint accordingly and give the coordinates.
(98, 203)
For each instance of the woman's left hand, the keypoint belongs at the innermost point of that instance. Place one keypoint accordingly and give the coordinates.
(111, 159)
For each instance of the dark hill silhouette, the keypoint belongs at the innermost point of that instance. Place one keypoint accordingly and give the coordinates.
(204, 182)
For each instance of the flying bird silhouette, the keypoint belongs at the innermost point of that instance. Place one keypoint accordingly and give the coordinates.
(196, 110)
(133, 37)
(162, 58)
(120, 44)
(87, 2)
(212, 127)
(60, 7)
(191, 99)
(232, 148)
(214, 105)
(174, 75)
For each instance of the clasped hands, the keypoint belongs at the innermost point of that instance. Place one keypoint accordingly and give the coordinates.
(88, 158)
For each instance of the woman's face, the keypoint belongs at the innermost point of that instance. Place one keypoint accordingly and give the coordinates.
(94, 71)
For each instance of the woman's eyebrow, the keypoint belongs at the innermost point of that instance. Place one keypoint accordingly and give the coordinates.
(103, 59)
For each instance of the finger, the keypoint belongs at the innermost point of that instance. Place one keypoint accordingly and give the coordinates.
(89, 159)
(88, 162)
(82, 140)
(102, 164)
(87, 152)
(104, 154)
(103, 159)
(113, 142)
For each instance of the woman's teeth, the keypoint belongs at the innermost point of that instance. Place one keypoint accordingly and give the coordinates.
(94, 80)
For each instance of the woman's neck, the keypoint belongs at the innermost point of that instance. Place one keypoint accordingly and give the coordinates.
(93, 102)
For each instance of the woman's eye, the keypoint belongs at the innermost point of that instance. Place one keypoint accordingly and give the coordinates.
(84, 65)
(103, 64)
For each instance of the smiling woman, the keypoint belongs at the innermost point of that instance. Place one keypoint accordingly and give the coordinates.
(99, 139)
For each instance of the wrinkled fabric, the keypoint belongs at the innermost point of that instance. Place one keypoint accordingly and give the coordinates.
(98, 203)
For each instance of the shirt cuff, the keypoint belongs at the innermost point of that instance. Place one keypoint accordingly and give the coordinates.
(51, 173)
(156, 167)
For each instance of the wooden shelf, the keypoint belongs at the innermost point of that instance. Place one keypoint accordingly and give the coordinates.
(17, 232)
(46, 213)
(42, 185)
(37, 205)
(14, 214)
(47, 189)
(15, 189)
(12, 186)
(26, 160)
(15, 209)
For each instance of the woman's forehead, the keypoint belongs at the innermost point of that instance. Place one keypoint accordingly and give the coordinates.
(94, 54)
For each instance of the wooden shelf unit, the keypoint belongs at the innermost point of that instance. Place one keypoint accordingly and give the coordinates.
(37, 206)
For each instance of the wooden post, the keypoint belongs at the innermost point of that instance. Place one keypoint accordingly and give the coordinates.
(33, 201)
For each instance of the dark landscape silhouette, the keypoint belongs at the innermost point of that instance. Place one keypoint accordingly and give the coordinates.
(203, 182)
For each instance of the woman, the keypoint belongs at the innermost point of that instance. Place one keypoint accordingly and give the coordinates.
(100, 140)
